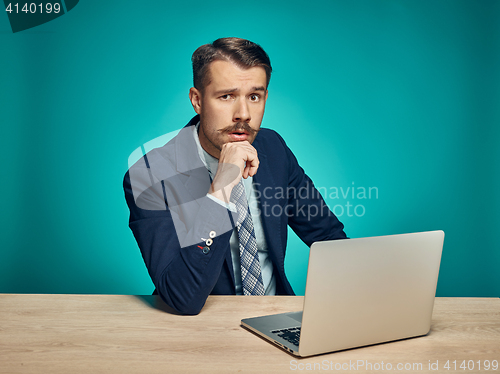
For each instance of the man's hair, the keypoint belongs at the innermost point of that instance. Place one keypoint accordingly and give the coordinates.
(244, 53)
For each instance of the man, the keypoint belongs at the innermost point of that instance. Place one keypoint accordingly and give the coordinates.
(210, 209)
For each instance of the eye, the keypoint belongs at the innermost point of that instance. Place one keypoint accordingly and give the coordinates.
(254, 98)
(225, 97)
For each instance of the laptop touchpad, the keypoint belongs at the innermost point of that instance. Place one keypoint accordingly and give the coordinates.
(296, 316)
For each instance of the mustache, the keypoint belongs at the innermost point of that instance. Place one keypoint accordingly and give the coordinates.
(239, 127)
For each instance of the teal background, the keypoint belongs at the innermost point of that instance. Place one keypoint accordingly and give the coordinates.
(401, 96)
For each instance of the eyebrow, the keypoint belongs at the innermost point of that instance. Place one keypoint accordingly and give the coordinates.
(232, 90)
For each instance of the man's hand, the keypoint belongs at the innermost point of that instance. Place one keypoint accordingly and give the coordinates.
(237, 159)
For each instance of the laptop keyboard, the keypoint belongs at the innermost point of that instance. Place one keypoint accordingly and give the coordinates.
(291, 334)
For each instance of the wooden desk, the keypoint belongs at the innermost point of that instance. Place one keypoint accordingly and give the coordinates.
(134, 334)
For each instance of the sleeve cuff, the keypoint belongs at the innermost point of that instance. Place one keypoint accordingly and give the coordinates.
(229, 205)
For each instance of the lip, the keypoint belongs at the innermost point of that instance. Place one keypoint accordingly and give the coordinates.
(238, 136)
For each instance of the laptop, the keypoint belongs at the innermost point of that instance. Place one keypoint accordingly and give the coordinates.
(360, 292)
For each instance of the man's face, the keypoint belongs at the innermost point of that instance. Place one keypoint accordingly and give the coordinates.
(231, 106)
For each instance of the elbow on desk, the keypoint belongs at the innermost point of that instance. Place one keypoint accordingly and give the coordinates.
(186, 292)
(184, 307)
(189, 311)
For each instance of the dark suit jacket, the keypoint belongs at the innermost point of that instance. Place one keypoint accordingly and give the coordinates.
(171, 216)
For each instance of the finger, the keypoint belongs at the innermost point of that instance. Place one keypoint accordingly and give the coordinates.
(250, 170)
(252, 165)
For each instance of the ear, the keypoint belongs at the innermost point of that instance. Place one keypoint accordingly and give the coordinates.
(195, 97)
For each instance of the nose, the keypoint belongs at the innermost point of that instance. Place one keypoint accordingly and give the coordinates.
(241, 112)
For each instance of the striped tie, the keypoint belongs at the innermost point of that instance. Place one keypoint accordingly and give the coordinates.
(251, 276)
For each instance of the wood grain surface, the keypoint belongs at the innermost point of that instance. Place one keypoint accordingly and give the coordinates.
(140, 334)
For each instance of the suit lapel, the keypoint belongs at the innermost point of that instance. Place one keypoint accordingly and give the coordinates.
(188, 162)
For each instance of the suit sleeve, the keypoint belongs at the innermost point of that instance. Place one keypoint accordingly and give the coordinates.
(308, 214)
(182, 266)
